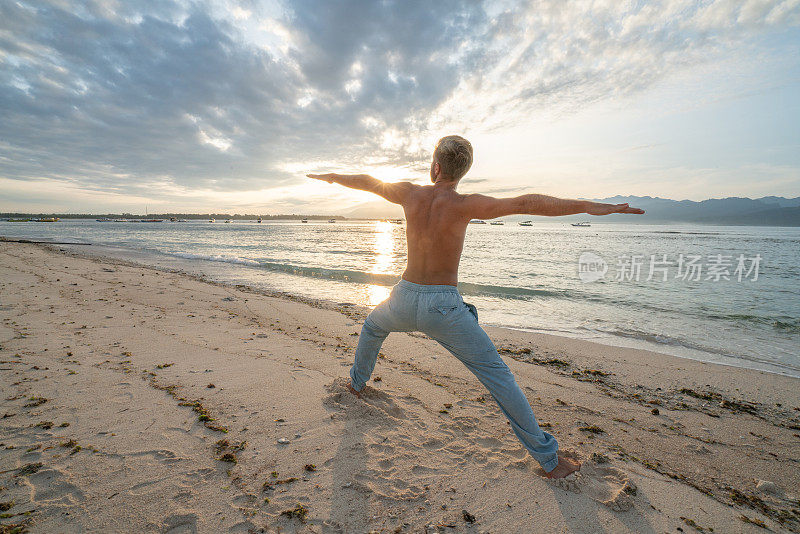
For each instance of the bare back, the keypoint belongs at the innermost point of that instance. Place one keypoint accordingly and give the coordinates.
(436, 226)
(437, 217)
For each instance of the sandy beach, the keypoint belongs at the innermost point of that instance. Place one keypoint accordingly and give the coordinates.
(138, 400)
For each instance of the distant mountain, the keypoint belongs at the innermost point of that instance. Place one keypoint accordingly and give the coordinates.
(782, 202)
(765, 211)
(376, 209)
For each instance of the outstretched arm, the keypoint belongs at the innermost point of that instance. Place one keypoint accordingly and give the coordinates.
(393, 192)
(486, 207)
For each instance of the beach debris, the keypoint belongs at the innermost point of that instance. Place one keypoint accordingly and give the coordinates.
(47, 425)
(283, 441)
(691, 523)
(35, 401)
(347, 484)
(228, 450)
(29, 469)
(654, 411)
(211, 386)
(514, 350)
(599, 458)
(759, 523)
(14, 528)
(6, 506)
(299, 511)
(164, 365)
(468, 517)
(728, 404)
(197, 407)
(229, 299)
(310, 467)
(592, 429)
(228, 457)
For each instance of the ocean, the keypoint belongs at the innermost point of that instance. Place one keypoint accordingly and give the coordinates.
(724, 294)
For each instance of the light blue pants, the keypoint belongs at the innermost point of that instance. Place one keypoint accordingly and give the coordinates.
(441, 313)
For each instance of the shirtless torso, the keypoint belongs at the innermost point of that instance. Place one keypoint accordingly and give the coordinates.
(435, 230)
(437, 217)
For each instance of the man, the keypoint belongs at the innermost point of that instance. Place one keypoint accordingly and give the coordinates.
(426, 298)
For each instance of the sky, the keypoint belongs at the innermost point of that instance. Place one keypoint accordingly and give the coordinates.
(200, 106)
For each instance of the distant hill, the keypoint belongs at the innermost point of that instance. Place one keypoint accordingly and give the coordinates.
(765, 211)
(376, 209)
(735, 211)
(732, 211)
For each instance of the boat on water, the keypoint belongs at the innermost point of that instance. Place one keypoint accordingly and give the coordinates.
(526, 223)
(211, 220)
(497, 223)
(227, 221)
(120, 220)
(104, 219)
(331, 220)
(18, 220)
(151, 220)
(582, 224)
(477, 221)
(397, 221)
(304, 221)
(47, 219)
(259, 220)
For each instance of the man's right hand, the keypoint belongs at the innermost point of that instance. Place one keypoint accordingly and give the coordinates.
(598, 208)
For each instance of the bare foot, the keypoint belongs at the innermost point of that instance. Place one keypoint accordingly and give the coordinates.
(566, 466)
(356, 393)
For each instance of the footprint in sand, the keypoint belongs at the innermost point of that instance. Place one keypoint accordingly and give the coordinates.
(50, 486)
(373, 402)
(600, 482)
(180, 524)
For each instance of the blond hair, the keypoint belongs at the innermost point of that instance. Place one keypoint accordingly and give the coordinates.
(453, 153)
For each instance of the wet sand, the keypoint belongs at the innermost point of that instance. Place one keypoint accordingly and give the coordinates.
(149, 401)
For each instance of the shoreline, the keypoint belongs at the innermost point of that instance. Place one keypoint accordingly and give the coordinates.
(679, 350)
(666, 442)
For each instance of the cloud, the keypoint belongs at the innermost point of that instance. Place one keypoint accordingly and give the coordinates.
(127, 97)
